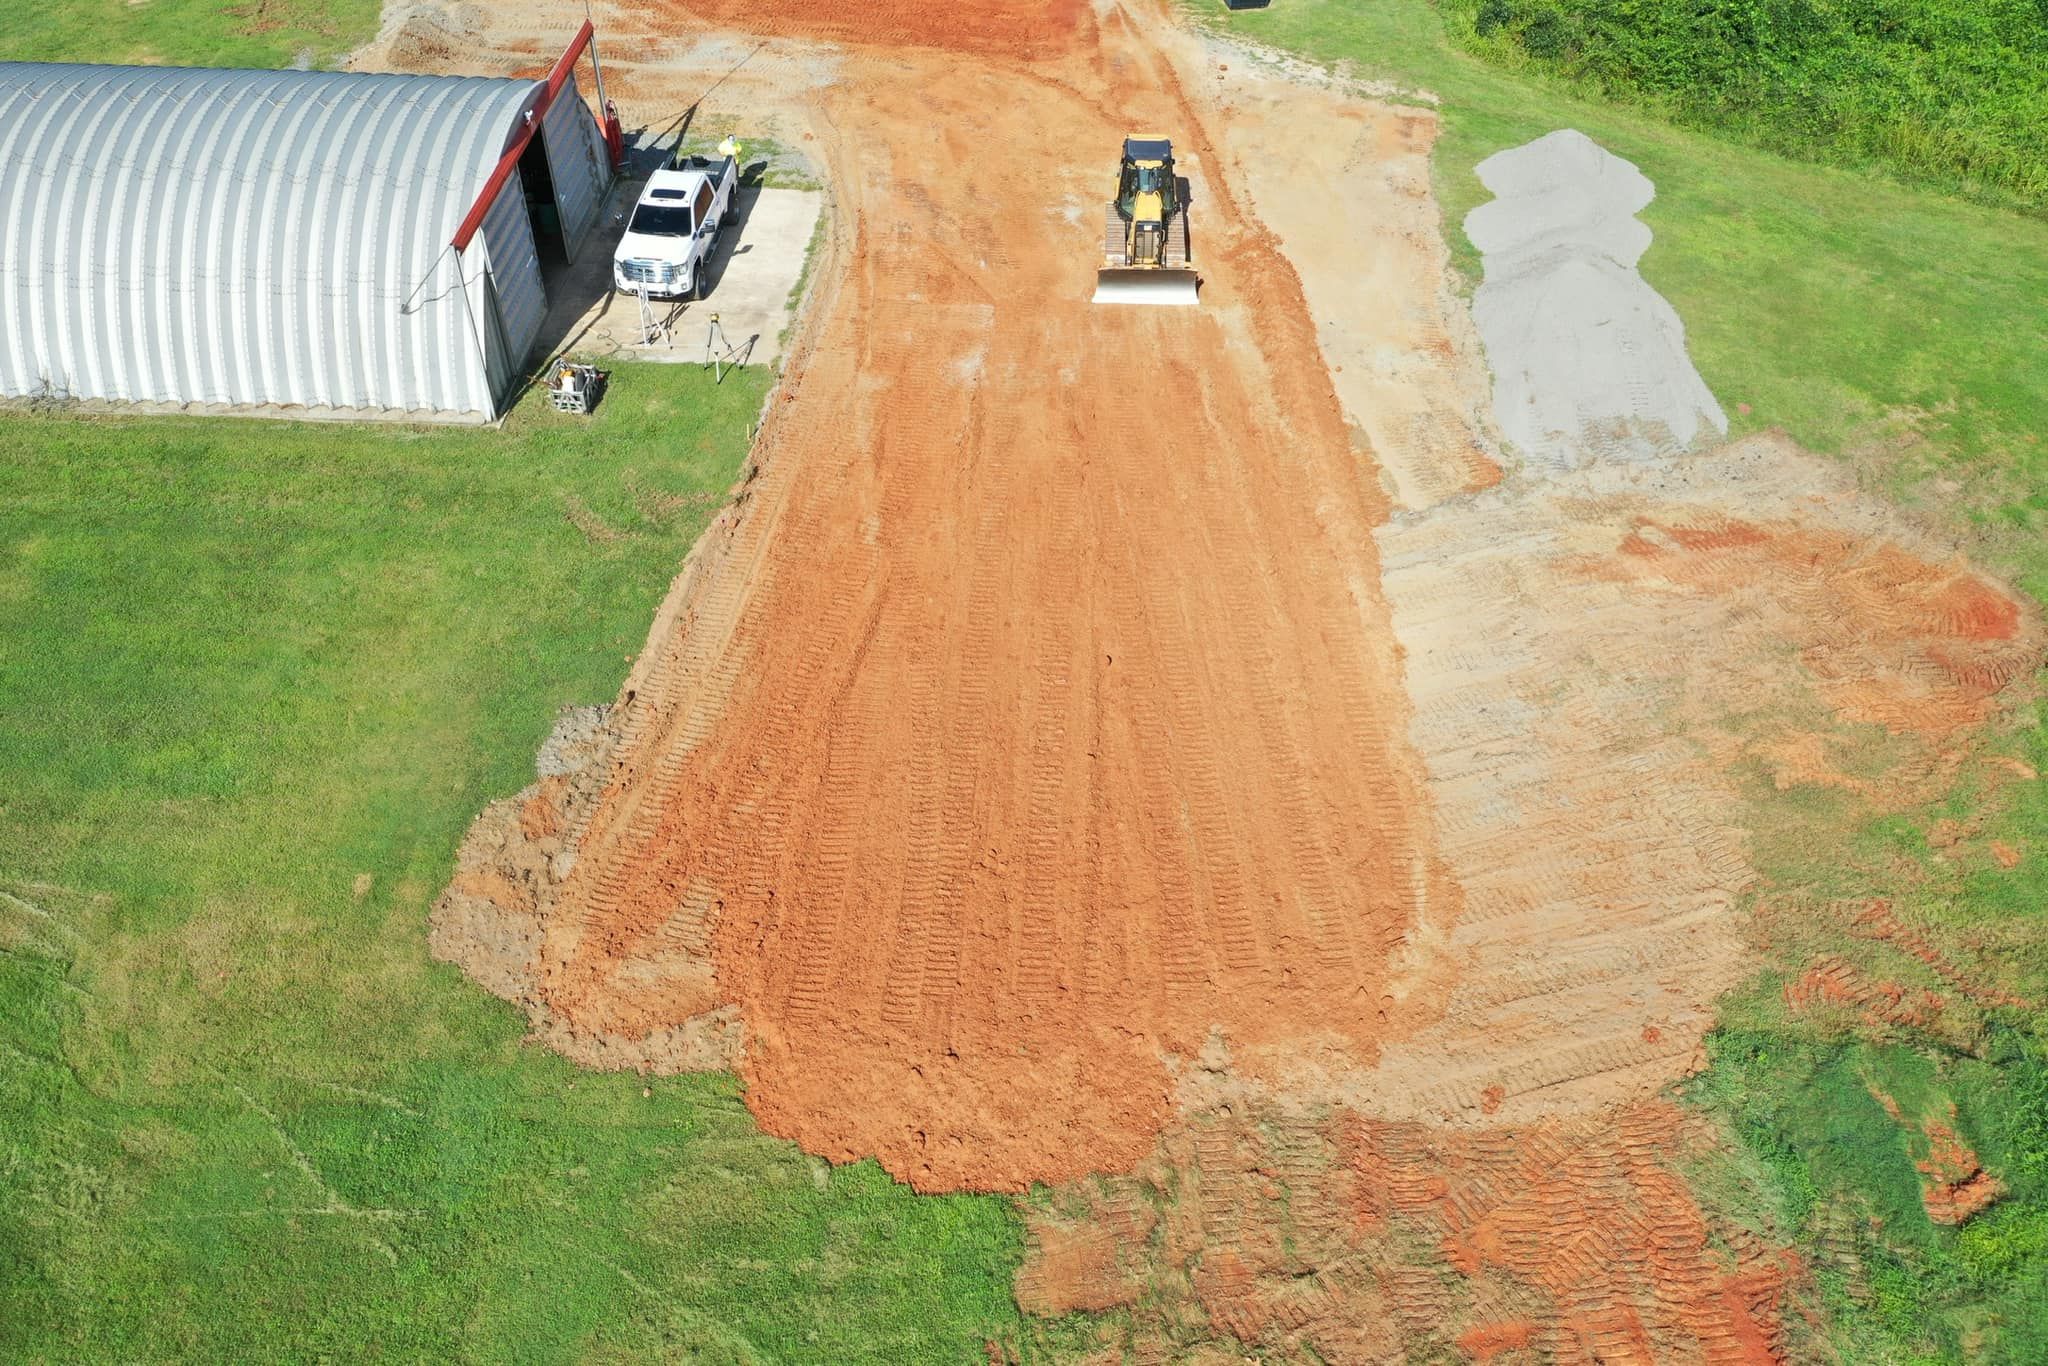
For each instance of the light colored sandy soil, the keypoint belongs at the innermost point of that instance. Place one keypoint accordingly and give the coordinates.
(1351, 208)
(1742, 609)
(1589, 362)
(1181, 742)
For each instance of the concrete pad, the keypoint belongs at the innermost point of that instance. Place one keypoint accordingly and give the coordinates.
(752, 278)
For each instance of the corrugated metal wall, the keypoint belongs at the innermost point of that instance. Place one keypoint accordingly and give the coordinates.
(577, 162)
(515, 272)
(246, 238)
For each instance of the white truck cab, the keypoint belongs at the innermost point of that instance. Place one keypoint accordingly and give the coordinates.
(675, 226)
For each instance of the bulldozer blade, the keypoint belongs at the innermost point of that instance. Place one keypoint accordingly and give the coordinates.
(1174, 288)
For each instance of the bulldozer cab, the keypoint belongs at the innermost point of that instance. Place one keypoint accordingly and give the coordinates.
(1147, 190)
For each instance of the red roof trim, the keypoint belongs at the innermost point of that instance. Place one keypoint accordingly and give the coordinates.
(508, 163)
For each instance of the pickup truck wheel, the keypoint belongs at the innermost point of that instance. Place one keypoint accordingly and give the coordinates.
(697, 279)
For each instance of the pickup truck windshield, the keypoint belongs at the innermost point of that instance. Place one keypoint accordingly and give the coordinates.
(662, 220)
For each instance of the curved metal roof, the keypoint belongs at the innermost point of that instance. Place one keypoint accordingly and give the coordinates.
(245, 238)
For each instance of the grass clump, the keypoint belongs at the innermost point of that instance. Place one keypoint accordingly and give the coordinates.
(1839, 1123)
(258, 678)
(253, 33)
(1862, 1117)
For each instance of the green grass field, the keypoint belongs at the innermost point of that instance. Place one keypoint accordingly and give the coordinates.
(257, 678)
(1900, 331)
(272, 33)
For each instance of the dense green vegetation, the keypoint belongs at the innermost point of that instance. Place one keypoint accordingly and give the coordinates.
(1949, 91)
(257, 678)
(271, 33)
(1899, 330)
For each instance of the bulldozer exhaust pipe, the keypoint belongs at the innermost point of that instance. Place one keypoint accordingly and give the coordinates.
(1124, 285)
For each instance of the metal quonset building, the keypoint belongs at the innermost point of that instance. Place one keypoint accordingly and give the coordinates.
(324, 243)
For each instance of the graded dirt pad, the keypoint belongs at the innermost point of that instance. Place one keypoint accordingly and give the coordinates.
(1039, 713)
(1594, 658)
(1012, 28)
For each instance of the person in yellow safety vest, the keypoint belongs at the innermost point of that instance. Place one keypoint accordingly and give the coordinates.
(730, 148)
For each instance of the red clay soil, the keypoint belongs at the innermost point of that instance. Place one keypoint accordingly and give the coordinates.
(1907, 644)
(987, 27)
(1833, 981)
(1599, 1224)
(1877, 920)
(1036, 722)
(1060, 719)
(1953, 1182)
(1886, 986)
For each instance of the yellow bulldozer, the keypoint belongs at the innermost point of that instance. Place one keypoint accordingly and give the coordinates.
(1145, 255)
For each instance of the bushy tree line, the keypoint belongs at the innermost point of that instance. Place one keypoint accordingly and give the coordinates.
(1954, 92)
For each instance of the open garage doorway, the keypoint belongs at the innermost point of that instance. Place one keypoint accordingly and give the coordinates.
(542, 209)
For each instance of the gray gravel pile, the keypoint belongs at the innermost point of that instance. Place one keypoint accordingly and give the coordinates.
(1589, 362)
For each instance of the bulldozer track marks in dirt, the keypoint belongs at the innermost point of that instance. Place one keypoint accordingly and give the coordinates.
(1362, 1241)
(1033, 750)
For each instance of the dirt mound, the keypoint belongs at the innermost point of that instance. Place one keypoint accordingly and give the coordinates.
(1364, 1241)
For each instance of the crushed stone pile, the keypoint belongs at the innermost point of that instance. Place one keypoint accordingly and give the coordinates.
(1589, 362)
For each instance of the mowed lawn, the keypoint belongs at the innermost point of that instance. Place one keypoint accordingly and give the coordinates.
(272, 33)
(255, 680)
(1899, 330)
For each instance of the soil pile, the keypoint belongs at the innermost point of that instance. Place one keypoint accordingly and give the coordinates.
(1589, 362)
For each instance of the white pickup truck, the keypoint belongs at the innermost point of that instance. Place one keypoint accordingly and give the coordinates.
(675, 227)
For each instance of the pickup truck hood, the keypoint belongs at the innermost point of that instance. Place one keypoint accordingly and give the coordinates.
(645, 246)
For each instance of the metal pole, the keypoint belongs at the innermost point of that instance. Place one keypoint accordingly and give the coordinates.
(483, 351)
(596, 70)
